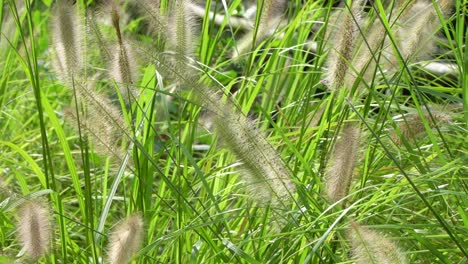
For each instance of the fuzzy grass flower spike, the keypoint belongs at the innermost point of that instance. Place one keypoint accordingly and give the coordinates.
(370, 247)
(67, 40)
(125, 240)
(34, 228)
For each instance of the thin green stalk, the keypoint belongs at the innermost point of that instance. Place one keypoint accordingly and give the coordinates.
(30, 67)
(464, 79)
(89, 208)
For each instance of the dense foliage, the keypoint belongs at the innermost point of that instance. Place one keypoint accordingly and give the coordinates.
(233, 131)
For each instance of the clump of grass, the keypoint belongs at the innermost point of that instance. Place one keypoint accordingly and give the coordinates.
(125, 240)
(368, 246)
(340, 167)
(263, 170)
(34, 228)
(235, 230)
(413, 127)
(66, 31)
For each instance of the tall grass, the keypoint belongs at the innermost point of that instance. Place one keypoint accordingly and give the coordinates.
(250, 132)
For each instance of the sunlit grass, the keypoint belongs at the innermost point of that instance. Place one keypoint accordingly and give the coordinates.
(178, 165)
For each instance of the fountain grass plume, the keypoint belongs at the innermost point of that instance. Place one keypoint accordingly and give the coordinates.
(340, 167)
(157, 21)
(341, 54)
(416, 24)
(100, 120)
(263, 171)
(372, 44)
(123, 66)
(8, 28)
(364, 60)
(123, 69)
(180, 33)
(34, 228)
(125, 240)
(368, 246)
(271, 9)
(66, 30)
(413, 126)
(419, 24)
(402, 5)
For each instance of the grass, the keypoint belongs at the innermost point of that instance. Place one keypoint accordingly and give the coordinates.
(178, 164)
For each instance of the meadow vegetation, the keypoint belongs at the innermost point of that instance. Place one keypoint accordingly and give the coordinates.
(269, 131)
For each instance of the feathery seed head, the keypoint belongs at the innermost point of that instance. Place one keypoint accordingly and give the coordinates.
(413, 126)
(66, 31)
(151, 10)
(181, 32)
(8, 26)
(101, 121)
(125, 240)
(368, 246)
(123, 70)
(270, 14)
(341, 54)
(273, 8)
(446, 6)
(402, 7)
(342, 161)
(419, 24)
(264, 172)
(115, 19)
(415, 35)
(4, 192)
(364, 60)
(34, 230)
(123, 65)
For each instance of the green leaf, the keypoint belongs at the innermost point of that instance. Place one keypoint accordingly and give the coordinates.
(48, 3)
